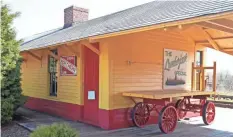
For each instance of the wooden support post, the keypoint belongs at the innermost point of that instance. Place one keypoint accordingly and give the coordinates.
(214, 77)
(211, 25)
(192, 78)
(34, 56)
(227, 49)
(25, 60)
(53, 55)
(71, 50)
(91, 47)
(202, 78)
(210, 40)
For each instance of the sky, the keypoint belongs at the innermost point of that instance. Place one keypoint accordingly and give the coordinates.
(42, 15)
(224, 61)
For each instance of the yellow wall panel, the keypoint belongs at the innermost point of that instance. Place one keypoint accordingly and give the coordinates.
(137, 62)
(35, 78)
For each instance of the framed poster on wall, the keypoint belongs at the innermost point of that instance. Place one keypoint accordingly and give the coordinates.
(175, 69)
(68, 65)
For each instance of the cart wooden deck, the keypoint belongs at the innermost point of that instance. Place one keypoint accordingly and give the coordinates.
(162, 94)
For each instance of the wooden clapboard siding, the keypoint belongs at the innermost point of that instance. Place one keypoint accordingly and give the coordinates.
(35, 78)
(145, 70)
(127, 63)
(34, 75)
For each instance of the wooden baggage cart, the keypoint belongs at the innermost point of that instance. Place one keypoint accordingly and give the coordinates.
(170, 112)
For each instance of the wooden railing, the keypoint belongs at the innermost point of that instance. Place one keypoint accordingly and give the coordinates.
(202, 69)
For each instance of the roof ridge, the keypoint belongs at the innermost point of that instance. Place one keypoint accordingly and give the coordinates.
(188, 12)
(46, 33)
(117, 12)
(41, 32)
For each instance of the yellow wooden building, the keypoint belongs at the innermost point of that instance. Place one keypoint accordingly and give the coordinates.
(79, 71)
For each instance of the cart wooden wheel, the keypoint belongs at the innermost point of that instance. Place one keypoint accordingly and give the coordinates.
(180, 108)
(208, 113)
(168, 119)
(140, 114)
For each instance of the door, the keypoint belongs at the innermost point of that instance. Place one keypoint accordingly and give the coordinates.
(91, 86)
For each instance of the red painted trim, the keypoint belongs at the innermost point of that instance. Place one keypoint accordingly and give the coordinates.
(62, 109)
(120, 118)
(114, 119)
(108, 119)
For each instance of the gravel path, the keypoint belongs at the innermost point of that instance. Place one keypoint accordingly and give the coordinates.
(14, 130)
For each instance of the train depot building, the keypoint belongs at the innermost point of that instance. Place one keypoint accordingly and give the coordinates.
(95, 71)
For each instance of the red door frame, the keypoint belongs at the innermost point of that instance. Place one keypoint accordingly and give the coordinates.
(91, 83)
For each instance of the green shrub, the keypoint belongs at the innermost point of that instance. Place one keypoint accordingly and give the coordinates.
(23, 100)
(10, 65)
(54, 130)
(6, 110)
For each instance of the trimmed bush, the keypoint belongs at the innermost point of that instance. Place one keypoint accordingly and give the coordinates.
(6, 110)
(55, 130)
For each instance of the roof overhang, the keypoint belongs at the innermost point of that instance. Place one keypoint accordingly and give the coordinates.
(166, 25)
(214, 21)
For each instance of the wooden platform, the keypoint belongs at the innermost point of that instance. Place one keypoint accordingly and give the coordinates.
(161, 94)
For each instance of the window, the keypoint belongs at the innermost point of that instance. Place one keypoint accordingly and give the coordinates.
(199, 58)
(53, 74)
(199, 62)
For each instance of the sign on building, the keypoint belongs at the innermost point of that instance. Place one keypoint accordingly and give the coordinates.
(68, 65)
(175, 69)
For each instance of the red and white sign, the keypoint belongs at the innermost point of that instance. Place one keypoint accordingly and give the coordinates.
(68, 65)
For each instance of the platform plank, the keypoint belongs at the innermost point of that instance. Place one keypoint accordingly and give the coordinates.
(162, 94)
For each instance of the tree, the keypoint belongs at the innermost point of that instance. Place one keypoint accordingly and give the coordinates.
(224, 81)
(228, 82)
(10, 65)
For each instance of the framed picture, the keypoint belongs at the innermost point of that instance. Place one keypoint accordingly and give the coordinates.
(68, 65)
(175, 69)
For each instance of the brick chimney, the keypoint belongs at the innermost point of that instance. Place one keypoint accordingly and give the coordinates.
(74, 14)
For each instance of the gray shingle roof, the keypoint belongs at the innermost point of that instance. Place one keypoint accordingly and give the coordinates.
(152, 13)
